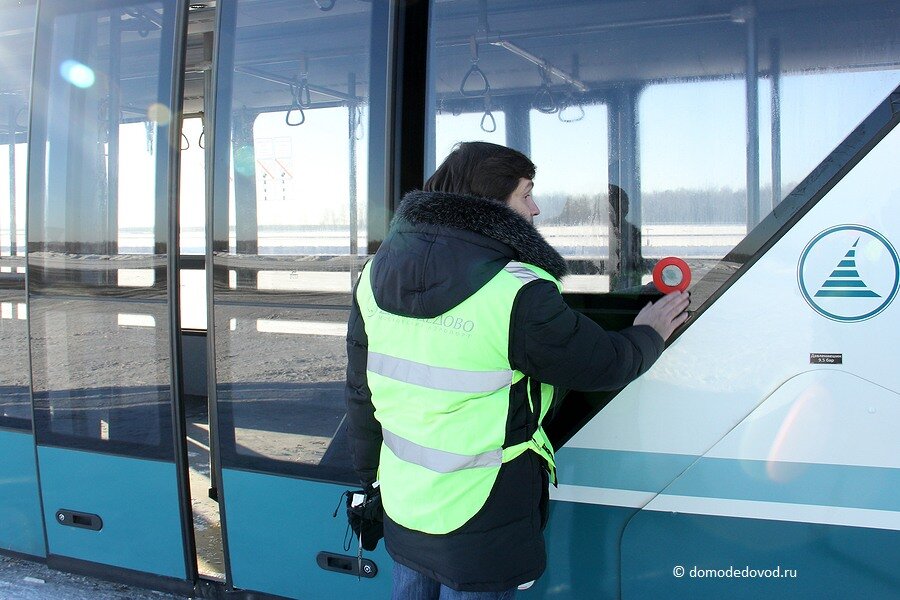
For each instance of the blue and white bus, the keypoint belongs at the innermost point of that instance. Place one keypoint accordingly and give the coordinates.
(193, 188)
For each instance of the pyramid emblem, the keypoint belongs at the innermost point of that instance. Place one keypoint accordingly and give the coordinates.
(844, 281)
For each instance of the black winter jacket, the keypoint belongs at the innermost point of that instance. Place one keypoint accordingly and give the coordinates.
(440, 249)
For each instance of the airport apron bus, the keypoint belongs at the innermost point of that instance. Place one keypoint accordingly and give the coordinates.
(193, 189)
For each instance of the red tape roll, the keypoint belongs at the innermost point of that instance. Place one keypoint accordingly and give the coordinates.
(671, 261)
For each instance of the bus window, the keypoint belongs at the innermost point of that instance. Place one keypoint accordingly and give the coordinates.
(290, 231)
(98, 229)
(16, 43)
(570, 149)
(693, 178)
(816, 109)
(694, 154)
(710, 117)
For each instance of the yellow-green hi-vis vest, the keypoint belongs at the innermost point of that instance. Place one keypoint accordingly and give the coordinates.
(441, 390)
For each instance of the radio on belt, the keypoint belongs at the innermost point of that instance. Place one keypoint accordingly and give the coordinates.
(671, 274)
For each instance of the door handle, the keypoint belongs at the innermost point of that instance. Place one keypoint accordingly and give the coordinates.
(79, 519)
(351, 565)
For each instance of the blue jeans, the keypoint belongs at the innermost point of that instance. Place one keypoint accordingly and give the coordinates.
(412, 585)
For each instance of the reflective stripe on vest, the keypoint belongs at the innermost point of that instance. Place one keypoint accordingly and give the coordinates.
(439, 460)
(522, 272)
(438, 378)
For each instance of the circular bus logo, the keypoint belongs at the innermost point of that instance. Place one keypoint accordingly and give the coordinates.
(849, 273)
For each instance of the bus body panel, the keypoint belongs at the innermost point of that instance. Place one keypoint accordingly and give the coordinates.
(136, 499)
(21, 529)
(729, 557)
(276, 528)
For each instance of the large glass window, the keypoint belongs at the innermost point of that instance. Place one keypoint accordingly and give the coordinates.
(660, 129)
(657, 130)
(813, 110)
(290, 227)
(98, 227)
(16, 45)
(571, 182)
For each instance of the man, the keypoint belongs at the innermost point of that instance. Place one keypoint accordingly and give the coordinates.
(458, 338)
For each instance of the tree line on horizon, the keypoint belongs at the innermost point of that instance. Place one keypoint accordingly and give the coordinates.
(721, 206)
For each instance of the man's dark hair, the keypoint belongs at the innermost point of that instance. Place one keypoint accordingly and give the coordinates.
(481, 169)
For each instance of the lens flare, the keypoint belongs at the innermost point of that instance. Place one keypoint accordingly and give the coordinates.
(78, 74)
(244, 161)
(159, 113)
(808, 413)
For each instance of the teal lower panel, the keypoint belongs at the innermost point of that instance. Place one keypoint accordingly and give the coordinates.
(583, 557)
(736, 558)
(620, 469)
(851, 486)
(582, 552)
(277, 525)
(21, 528)
(137, 500)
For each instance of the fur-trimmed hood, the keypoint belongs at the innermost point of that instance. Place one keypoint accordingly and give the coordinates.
(442, 248)
(487, 217)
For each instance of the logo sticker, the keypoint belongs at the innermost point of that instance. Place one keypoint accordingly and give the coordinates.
(849, 273)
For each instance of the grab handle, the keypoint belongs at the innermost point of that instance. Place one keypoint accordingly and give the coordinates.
(350, 565)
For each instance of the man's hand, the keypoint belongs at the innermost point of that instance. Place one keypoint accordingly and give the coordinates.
(666, 314)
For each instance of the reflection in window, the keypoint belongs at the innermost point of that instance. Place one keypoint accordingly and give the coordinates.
(115, 380)
(15, 399)
(16, 44)
(571, 151)
(293, 216)
(553, 86)
(333, 329)
(693, 177)
(12, 177)
(98, 234)
(282, 388)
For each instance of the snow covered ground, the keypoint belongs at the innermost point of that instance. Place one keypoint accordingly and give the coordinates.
(26, 580)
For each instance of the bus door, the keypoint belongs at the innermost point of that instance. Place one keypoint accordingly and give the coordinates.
(101, 288)
(297, 145)
(21, 528)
